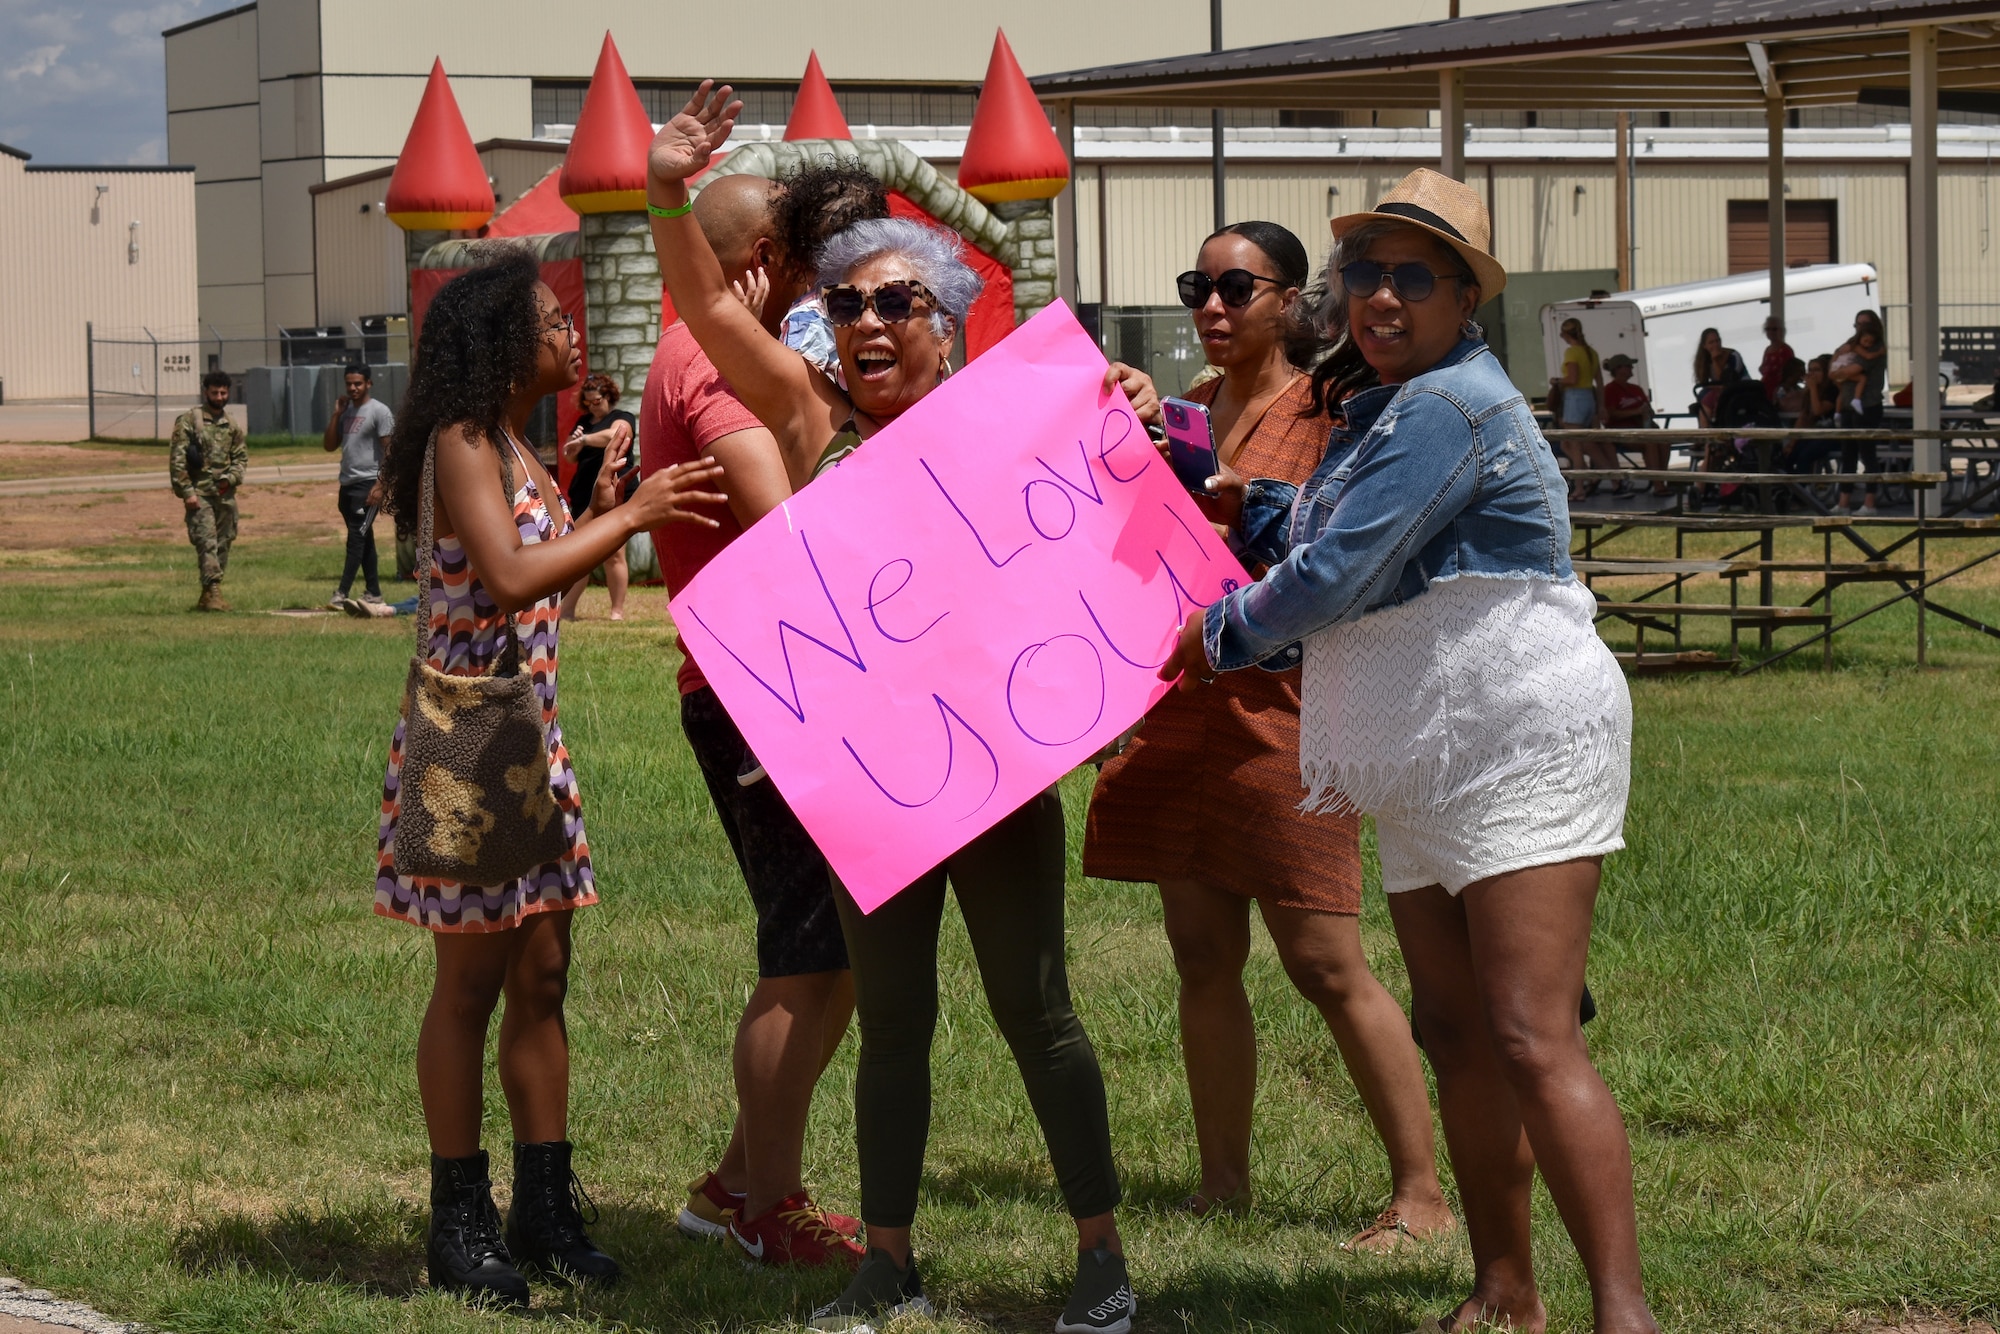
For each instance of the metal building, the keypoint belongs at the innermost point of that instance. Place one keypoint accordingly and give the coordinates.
(111, 247)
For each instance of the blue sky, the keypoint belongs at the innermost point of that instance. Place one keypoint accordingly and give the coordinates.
(85, 81)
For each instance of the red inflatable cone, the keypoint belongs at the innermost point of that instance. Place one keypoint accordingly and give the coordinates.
(816, 112)
(605, 169)
(1011, 151)
(439, 184)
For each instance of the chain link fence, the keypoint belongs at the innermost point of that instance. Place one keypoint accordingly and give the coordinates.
(141, 379)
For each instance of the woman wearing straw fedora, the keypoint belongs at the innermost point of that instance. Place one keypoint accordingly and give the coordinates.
(1455, 690)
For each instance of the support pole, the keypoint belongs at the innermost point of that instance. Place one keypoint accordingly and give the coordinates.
(1218, 167)
(1451, 123)
(156, 383)
(1067, 288)
(1622, 136)
(1774, 190)
(90, 372)
(1926, 455)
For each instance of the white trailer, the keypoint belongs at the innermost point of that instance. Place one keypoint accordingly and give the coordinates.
(1660, 327)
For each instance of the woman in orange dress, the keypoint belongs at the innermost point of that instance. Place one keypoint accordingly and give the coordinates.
(1205, 801)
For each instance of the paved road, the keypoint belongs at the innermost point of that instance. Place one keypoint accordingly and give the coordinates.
(155, 479)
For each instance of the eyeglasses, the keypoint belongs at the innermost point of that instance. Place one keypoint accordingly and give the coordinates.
(892, 302)
(567, 324)
(1237, 287)
(1412, 282)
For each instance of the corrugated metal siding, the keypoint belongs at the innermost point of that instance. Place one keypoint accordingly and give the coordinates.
(361, 255)
(1969, 257)
(1157, 217)
(1560, 216)
(59, 270)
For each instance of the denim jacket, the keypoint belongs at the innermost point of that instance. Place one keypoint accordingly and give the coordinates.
(1444, 475)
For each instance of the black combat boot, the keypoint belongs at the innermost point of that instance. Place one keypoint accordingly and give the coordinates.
(466, 1253)
(545, 1220)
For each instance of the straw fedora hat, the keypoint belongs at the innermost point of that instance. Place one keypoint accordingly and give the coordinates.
(1450, 210)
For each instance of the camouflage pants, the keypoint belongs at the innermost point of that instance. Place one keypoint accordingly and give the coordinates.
(211, 528)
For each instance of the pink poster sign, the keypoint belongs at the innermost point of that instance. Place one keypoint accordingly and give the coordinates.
(964, 610)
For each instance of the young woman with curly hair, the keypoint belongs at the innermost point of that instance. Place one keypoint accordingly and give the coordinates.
(494, 343)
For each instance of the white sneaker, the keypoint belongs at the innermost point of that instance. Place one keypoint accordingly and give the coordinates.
(1842, 511)
(338, 602)
(1868, 511)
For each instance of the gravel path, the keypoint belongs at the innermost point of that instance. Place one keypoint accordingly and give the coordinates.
(26, 1310)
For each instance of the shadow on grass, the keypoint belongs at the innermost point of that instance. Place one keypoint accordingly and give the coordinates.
(379, 1249)
(1308, 1204)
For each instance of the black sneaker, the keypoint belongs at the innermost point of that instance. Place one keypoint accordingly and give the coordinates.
(465, 1252)
(545, 1219)
(878, 1293)
(1102, 1301)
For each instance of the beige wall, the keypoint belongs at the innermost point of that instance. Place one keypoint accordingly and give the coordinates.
(58, 269)
(361, 254)
(370, 116)
(902, 40)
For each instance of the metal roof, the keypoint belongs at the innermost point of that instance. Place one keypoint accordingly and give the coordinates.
(1592, 54)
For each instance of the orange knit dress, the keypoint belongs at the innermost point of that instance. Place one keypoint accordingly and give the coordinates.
(1209, 789)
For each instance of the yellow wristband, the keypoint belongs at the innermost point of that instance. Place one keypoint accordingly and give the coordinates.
(659, 212)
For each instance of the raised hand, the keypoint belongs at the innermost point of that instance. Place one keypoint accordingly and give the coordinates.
(1139, 391)
(684, 144)
(753, 290)
(664, 497)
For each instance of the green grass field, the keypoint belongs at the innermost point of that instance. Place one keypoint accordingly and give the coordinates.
(208, 1115)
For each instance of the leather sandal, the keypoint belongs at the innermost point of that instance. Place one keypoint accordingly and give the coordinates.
(1391, 1222)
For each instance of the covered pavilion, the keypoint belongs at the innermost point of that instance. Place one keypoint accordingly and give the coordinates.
(1619, 56)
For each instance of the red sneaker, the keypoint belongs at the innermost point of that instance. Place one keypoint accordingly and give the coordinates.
(796, 1232)
(709, 1208)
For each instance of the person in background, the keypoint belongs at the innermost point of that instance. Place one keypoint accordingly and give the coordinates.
(601, 427)
(755, 1197)
(360, 429)
(896, 292)
(495, 342)
(1582, 383)
(1818, 407)
(1628, 407)
(1861, 369)
(1455, 688)
(1204, 802)
(1777, 356)
(1715, 366)
(206, 460)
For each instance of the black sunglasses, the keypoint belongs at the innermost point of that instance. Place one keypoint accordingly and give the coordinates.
(892, 302)
(1236, 286)
(1413, 282)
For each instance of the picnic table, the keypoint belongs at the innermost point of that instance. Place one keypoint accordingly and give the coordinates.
(1661, 606)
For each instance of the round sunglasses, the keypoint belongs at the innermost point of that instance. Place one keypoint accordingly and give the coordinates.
(892, 302)
(1412, 282)
(1236, 287)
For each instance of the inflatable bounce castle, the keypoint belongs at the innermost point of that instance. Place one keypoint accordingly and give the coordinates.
(587, 222)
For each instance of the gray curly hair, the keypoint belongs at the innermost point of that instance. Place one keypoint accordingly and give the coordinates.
(936, 258)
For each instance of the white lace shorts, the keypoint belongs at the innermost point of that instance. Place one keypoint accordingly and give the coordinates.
(1529, 821)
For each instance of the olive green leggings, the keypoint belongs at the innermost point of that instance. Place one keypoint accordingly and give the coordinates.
(1009, 883)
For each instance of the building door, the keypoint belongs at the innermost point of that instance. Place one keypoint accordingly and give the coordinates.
(1811, 236)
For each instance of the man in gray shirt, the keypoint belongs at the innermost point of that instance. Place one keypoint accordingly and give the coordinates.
(360, 430)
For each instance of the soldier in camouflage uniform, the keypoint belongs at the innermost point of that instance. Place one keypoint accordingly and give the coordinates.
(206, 462)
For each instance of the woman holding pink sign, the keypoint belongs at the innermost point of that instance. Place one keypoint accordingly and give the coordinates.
(1455, 689)
(896, 292)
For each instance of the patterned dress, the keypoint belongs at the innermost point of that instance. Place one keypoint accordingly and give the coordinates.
(1209, 789)
(467, 634)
